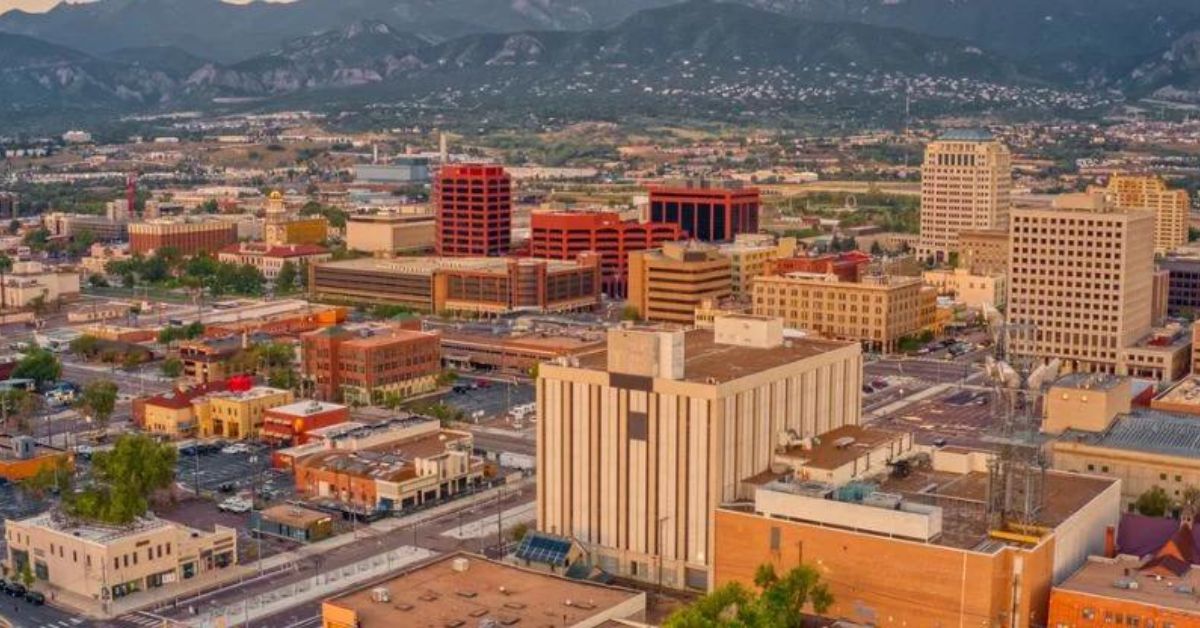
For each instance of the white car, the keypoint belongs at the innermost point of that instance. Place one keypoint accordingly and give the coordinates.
(236, 504)
(235, 449)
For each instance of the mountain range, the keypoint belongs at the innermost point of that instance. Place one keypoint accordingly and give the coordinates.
(129, 54)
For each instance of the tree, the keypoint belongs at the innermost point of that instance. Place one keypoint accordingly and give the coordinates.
(14, 226)
(56, 478)
(1154, 502)
(518, 532)
(172, 367)
(6, 266)
(38, 304)
(98, 401)
(630, 313)
(123, 479)
(39, 365)
(210, 206)
(17, 408)
(85, 346)
(286, 281)
(26, 574)
(132, 359)
(780, 602)
(876, 248)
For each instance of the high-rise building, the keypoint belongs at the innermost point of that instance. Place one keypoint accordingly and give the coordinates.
(966, 182)
(638, 445)
(707, 211)
(564, 235)
(668, 284)
(1170, 207)
(750, 254)
(474, 210)
(1080, 281)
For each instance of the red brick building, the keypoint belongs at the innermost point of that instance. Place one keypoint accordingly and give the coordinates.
(474, 210)
(848, 267)
(289, 425)
(370, 362)
(564, 235)
(189, 237)
(707, 212)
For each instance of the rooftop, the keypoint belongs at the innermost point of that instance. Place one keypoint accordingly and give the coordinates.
(1186, 392)
(1111, 578)
(264, 250)
(1147, 431)
(438, 594)
(96, 533)
(393, 462)
(294, 516)
(706, 361)
(307, 407)
(841, 445)
(1088, 381)
(431, 265)
(966, 135)
(258, 392)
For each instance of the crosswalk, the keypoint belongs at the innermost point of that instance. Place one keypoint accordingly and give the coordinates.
(64, 623)
(141, 619)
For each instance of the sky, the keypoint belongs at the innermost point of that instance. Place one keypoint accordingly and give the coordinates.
(45, 5)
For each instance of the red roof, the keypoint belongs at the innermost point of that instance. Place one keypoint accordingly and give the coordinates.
(181, 399)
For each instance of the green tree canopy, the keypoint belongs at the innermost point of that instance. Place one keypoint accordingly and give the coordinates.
(123, 479)
(780, 602)
(172, 367)
(1154, 502)
(39, 365)
(98, 400)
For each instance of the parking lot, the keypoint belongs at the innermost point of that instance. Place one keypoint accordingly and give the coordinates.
(235, 473)
(203, 514)
(487, 401)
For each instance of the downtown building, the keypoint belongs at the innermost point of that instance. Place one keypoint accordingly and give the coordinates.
(187, 236)
(474, 210)
(565, 235)
(707, 211)
(1149, 193)
(668, 284)
(366, 363)
(640, 444)
(1081, 289)
(966, 184)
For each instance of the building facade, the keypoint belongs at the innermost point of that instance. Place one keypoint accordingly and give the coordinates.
(878, 311)
(474, 210)
(484, 286)
(367, 365)
(565, 235)
(391, 233)
(237, 415)
(970, 289)
(637, 446)
(106, 563)
(966, 184)
(668, 284)
(288, 426)
(707, 211)
(188, 237)
(1080, 281)
(983, 250)
(1170, 207)
(750, 254)
(269, 259)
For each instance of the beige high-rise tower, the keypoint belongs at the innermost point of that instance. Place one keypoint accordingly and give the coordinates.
(1080, 280)
(1170, 207)
(966, 183)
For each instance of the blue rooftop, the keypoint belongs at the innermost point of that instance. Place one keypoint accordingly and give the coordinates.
(967, 135)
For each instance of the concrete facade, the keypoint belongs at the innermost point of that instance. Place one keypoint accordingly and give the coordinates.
(966, 183)
(667, 285)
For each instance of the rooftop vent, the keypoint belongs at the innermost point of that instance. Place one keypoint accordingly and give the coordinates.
(380, 595)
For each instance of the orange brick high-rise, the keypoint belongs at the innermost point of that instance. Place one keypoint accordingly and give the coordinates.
(474, 210)
(564, 235)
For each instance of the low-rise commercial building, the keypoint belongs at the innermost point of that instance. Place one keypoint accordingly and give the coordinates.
(368, 363)
(390, 233)
(478, 285)
(427, 463)
(465, 589)
(749, 255)
(668, 284)
(237, 415)
(22, 457)
(105, 563)
(269, 259)
(516, 353)
(969, 289)
(565, 235)
(638, 445)
(878, 311)
(207, 361)
(102, 228)
(292, 523)
(30, 281)
(187, 236)
(290, 425)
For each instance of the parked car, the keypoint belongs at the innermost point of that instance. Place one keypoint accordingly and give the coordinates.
(227, 487)
(37, 598)
(15, 589)
(236, 504)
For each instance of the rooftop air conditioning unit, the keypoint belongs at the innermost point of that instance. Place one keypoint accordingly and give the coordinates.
(460, 565)
(380, 595)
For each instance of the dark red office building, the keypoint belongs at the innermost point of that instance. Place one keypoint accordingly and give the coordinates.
(564, 235)
(708, 212)
(474, 210)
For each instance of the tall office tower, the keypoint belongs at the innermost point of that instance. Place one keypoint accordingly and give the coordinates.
(564, 235)
(707, 211)
(638, 445)
(1080, 281)
(474, 210)
(1170, 207)
(966, 182)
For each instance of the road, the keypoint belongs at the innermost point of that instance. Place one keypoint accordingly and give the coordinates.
(24, 615)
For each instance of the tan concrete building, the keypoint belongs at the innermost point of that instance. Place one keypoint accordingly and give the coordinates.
(966, 183)
(1080, 280)
(27, 281)
(970, 289)
(103, 563)
(668, 284)
(748, 256)
(390, 233)
(1170, 207)
(638, 446)
(877, 311)
(983, 250)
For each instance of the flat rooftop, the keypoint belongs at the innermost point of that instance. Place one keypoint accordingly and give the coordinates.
(393, 462)
(95, 533)
(436, 596)
(1088, 381)
(842, 445)
(1185, 393)
(1148, 431)
(962, 418)
(705, 360)
(1101, 576)
(307, 407)
(430, 265)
